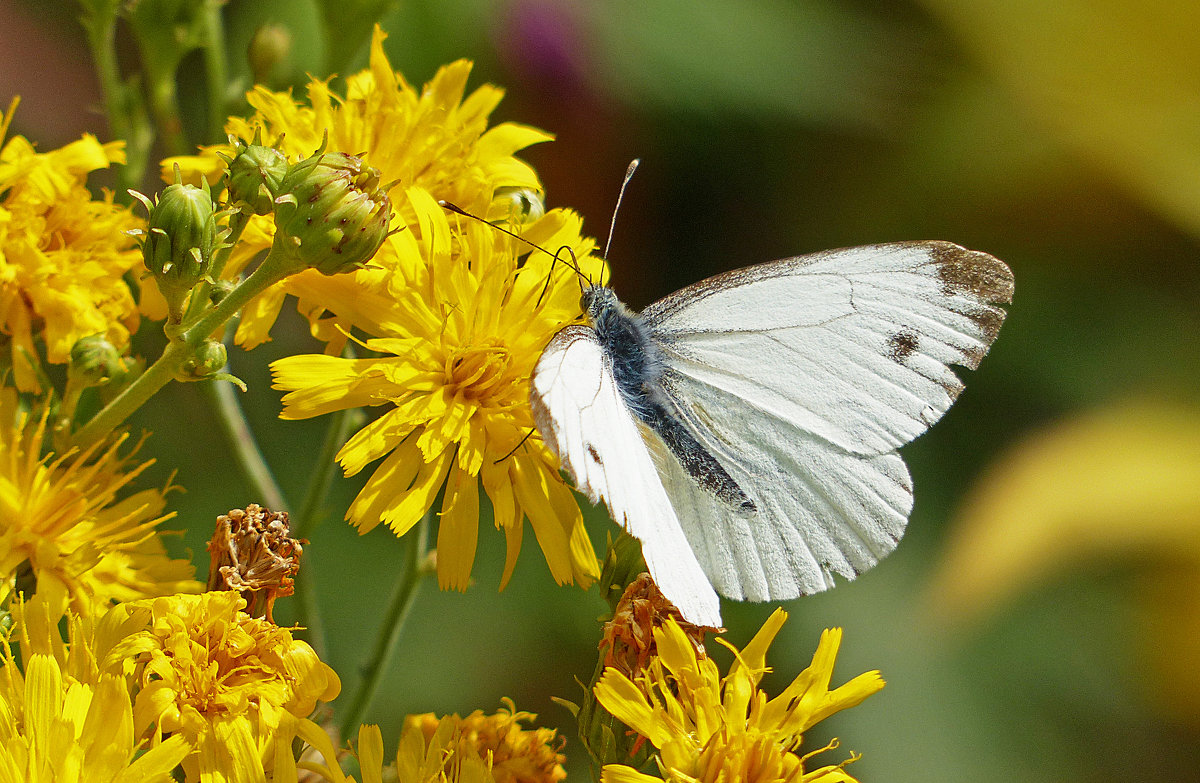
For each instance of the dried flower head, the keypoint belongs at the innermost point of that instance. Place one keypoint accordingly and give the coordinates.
(252, 551)
(628, 640)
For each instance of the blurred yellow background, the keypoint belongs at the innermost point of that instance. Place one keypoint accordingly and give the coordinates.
(1041, 618)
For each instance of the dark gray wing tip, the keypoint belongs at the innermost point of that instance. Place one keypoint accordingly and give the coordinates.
(972, 272)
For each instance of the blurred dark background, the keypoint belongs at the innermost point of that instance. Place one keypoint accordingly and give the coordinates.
(1041, 618)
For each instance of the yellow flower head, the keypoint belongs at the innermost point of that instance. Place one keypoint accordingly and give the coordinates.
(457, 333)
(233, 686)
(63, 524)
(62, 253)
(515, 754)
(61, 719)
(711, 728)
(433, 138)
(476, 749)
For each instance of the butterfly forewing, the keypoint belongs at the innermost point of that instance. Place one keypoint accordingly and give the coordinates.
(863, 364)
(579, 412)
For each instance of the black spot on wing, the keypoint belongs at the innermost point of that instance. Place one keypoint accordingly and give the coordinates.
(595, 455)
(902, 345)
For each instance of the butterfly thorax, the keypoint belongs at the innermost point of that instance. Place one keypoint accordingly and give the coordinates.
(626, 340)
(637, 368)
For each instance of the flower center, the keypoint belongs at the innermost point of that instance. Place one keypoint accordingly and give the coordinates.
(478, 372)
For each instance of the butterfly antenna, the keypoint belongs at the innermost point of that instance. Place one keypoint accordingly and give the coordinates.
(452, 207)
(514, 448)
(633, 164)
(574, 264)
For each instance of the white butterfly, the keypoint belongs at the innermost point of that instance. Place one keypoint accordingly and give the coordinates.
(745, 428)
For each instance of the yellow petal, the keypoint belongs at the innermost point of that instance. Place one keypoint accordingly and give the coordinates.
(509, 137)
(754, 654)
(370, 753)
(531, 486)
(621, 697)
(317, 739)
(619, 773)
(458, 531)
(407, 505)
(157, 763)
(512, 540)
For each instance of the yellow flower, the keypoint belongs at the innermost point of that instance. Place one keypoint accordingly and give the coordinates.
(433, 138)
(515, 754)
(62, 253)
(711, 728)
(456, 336)
(233, 686)
(61, 719)
(476, 749)
(63, 524)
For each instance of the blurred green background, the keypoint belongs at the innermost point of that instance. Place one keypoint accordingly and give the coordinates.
(1041, 618)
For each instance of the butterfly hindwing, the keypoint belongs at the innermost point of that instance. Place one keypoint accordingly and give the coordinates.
(818, 511)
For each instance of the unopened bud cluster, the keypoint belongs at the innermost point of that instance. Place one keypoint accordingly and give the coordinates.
(254, 177)
(330, 211)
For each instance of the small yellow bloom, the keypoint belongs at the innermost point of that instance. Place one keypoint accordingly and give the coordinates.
(476, 749)
(711, 728)
(61, 719)
(433, 138)
(63, 523)
(62, 253)
(456, 337)
(515, 754)
(233, 686)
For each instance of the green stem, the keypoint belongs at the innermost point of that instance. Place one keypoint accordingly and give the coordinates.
(240, 438)
(389, 629)
(306, 521)
(201, 294)
(237, 225)
(274, 268)
(164, 102)
(124, 112)
(214, 70)
(336, 434)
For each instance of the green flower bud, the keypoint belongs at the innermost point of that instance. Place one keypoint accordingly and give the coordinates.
(209, 357)
(179, 240)
(94, 361)
(332, 214)
(255, 174)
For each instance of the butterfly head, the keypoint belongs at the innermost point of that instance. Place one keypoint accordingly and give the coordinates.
(597, 301)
